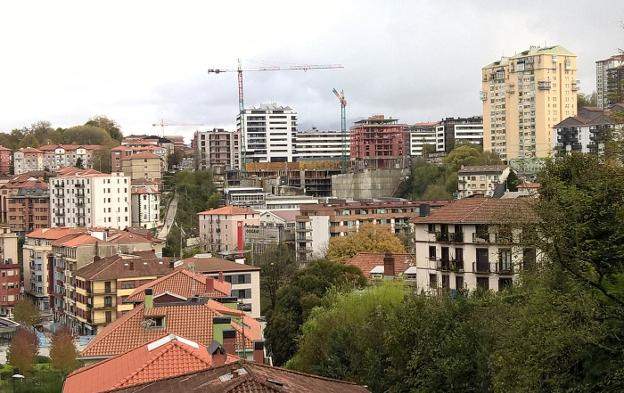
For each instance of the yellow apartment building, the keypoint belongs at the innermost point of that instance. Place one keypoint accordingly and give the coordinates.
(144, 165)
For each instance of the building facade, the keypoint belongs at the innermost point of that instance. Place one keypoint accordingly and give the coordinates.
(523, 97)
(222, 230)
(320, 145)
(615, 85)
(27, 159)
(9, 271)
(56, 157)
(379, 142)
(216, 148)
(267, 133)
(88, 198)
(6, 158)
(143, 165)
(587, 132)
(119, 153)
(275, 227)
(455, 131)
(145, 206)
(484, 180)
(421, 135)
(602, 79)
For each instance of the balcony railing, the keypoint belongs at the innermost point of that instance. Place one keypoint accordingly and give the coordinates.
(457, 266)
(481, 238)
(504, 268)
(457, 237)
(444, 265)
(481, 267)
(442, 236)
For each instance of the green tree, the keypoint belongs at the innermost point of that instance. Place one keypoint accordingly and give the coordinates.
(79, 163)
(102, 158)
(110, 126)
(175, 159)
(63, 353)
(512, 181)
(369, 238)
(278, 267)
(86, 135)
(26, 313)
(23, 350)
(29, 141)
(585, 100)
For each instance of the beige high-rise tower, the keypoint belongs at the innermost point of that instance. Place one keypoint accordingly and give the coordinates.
(523, 97)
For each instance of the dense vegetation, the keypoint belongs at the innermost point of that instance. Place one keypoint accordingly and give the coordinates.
(369, 238)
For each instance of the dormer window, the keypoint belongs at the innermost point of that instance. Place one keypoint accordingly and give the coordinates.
(154, 322)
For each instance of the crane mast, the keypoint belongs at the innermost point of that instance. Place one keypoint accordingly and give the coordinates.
(343, 127)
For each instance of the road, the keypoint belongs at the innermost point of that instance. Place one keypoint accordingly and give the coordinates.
(171, 213)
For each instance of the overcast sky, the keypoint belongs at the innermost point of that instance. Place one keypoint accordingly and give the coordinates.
(140, 61)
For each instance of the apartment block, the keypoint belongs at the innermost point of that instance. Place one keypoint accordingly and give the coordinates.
(6, 157)
(119, 153)
(587, 132)
(483, 180)
(252, 197)
(379, 142)
(524, 96)
(222, 230)
(316, 224)
(143, 165)
(456, 131)
(473, 243)
(88, 198)
(217, 147)
(24, 203)
(27, 159)
(320, 145)
(275, 227)
(421, 135)
(56, 157)
(602, 79)
(9, 271)
(267, 134)
(145, 206)
(615, 85)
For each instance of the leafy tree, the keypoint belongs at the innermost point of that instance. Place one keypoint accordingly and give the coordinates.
(23, 350)
(102, 158)
(296, 300)
(512, 181)
(278, 267)
(175, 159)
(79, 163)
(26, 313)
(63, 353)
(110, 126)
(29, 141)
(369, 238)
(585, 100)
(86, 135)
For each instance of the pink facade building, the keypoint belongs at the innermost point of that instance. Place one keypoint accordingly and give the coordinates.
(378, 142)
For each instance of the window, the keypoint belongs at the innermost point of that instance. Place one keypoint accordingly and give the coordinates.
(459, 282)
(504, 260)
(483, 283)
(433, 280)
(504, 282)
(446, 282)
(432, 253)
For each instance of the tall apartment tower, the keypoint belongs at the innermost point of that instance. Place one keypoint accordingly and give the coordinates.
(602, 78)
(524, 96)
(217, 147)
(268, 133)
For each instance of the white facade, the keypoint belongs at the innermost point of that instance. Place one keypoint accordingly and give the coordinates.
(90, 199)
(312, 238)
(145, 206)
(480, 180)
(63, 156)
(27, 160)
(320, 145)
(268, 133)
(459, 131)
(602, 66)
(253, 197)
(420, 136)
(288, 202)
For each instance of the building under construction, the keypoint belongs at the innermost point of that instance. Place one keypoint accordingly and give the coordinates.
(379, 142)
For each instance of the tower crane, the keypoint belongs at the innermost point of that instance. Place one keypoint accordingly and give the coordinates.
(343, 126)
(166, 123)
(241, 100)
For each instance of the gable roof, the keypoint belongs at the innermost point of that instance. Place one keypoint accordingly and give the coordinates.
(250, 378)
(166, 357)
(229, 211)
(125, 266)
(204, 263)
(367, 261)
(54, 233)
(192, 320)
(183, 283)
(482, 211)
(286, 215)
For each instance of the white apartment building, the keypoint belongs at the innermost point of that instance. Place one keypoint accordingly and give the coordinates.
(602, 79)
(588, 132)
(88, 198)
(27, 159)
(217, 147)
(145, 209)
(482, 180)
(320, 145)
(253, 197)
(60, 156)
(456, 131)
(421, 134)
(267, 133)
(468, 244)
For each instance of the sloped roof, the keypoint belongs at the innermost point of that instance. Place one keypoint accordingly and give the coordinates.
(167, 357)
(251, 378)
(78, 172)
(125, 266)
(229, 211)
(482, 211)
(207, 264)
(367, 261)
(482, 168)
(192, 320)
(54, 233)
(68, 147)
(2, 148)
(587, 116)
(75, 240)
(28, 150)
(184, 283)
(286, 215)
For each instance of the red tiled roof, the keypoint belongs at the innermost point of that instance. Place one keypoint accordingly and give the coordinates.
(366, 261)
(481, 211)
(4, 148)
(286, 215)
(482, 168)
(166, 357)
(54, 233)
(28, 150)
(72, 171)
(528, 184)
(137, 264)
(69, 147)
(205, 264)
(184, 283)
(75, 240)
(229, 211)
(189, 320)
(121, 148)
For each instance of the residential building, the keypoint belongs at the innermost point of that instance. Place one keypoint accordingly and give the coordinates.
(27, 159)
(102, 286)
(385, 266)
(25, 204)
(421, 135)
(379, 142)
(473, 243)
(587, 132)
(217, 148)
(320, 145)
(56, 157)
(602, 79)
(37, 263)
(245, 279)
(145, 206)
(253, 197)
(157, 360)
(9, 271)
(289, 202)
(484, 180)
(6, 157)
(246, 377)
(119, 153)
(275, 227)
(222, 230)
(456, 131)
(615, 85)
(523, 97)
(267, 133)
(143, 165)
(88, 198)
(199, 319)
(318, 223)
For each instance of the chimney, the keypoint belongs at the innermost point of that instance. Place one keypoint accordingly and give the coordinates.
(148, 302)
(219, 324)
(424, 210)
(131, 265)
(258, 352)
(388, 266)
(217, 353)
(210, 284)
(221, 277)
(229, 341)
(171, 264)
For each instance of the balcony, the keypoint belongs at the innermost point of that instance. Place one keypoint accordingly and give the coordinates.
(481, 238)
(543, 85)
(442, 236)
(444, 265)
(504, 268)
(457, 237)
(481, 267)
(457, 266)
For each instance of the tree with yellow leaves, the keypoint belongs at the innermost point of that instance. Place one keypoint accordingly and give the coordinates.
(370, 238)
